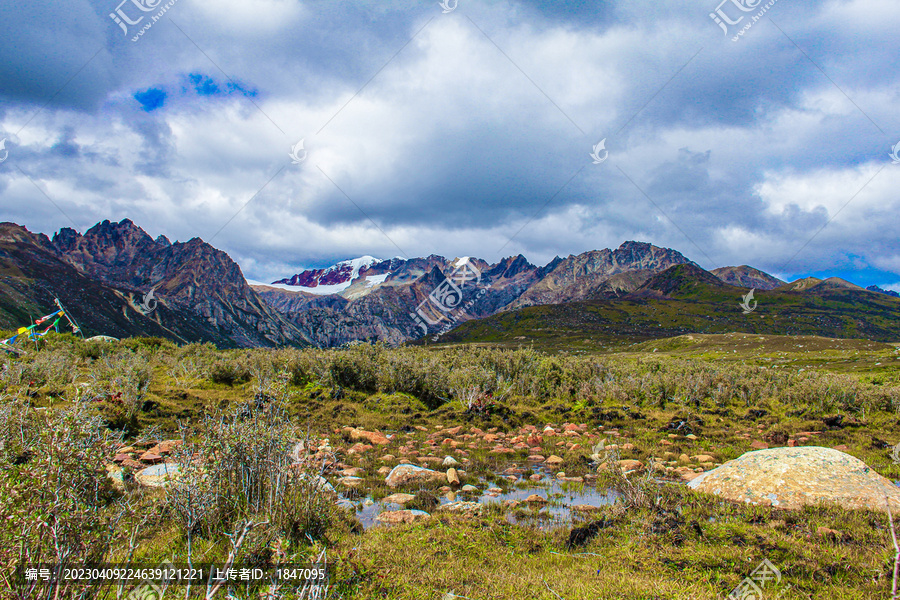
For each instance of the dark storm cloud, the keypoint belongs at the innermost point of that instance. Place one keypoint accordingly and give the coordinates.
(454, 132)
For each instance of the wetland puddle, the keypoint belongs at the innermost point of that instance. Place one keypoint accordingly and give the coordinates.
(561, 497)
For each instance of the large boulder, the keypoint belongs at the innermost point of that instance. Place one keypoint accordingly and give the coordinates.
(794, 477)
(406, 474)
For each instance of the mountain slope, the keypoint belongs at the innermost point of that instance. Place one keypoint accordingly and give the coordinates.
(685, 299)
(580, 277)
(103, 275)
(748, 277)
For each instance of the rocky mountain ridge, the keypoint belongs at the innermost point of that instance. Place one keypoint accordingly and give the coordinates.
(197, 293)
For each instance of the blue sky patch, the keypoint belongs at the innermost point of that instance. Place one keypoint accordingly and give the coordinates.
(151, 99)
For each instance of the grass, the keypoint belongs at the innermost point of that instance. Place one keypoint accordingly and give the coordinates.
(730, 389)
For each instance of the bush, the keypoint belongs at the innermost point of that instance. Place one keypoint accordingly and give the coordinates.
(231, 371)
(56, 502)
(239, 468)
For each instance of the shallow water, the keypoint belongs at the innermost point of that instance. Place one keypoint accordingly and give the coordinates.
(561, 495)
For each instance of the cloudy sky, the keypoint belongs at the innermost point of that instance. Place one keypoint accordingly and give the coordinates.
(463, 129)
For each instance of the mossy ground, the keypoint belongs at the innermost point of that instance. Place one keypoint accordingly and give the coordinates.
(681, 545)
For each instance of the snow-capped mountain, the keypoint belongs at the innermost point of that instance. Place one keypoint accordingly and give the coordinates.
(340, 276)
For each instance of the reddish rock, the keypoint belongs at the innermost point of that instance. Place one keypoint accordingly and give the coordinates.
(452, 476)
(534, 440)
(132, 464)
(521, 447)
(412, 475)
(121, 457)
(151, 458)
(536, 458)
(490, 437)
(792, 443)
(166, 446)
(502, 451)
(631, 465)
(841, 448)
(758, 445)
(402, 516)
(359, 448)
(453, 430)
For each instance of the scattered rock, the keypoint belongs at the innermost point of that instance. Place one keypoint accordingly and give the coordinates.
(151, 458)
(373, 437)
(832, 534)
(703, 458)
(394, 517)
(758, 445)
(462, 507)
(452, 476)
(586, 508)
(794, 477)
(469, 488)
(554, 460)
(631, 465)
(686, 474)
(351, 482)
(117, 476)
(535, 499)
(353, 472)
(449, 461)
(359, 448)
(384, 471)
(165, 447)
(407, 474)
(398, 498)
